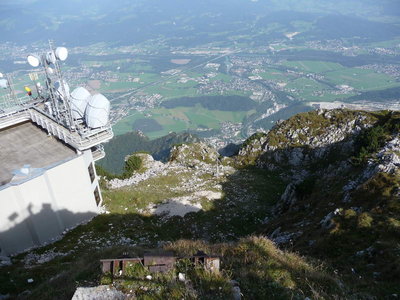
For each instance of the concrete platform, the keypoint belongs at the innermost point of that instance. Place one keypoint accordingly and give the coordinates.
(27, 144)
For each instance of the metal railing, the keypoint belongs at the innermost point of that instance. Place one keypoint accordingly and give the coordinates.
(9, 104)
(14, 117)
(74, 139)
(98, 153)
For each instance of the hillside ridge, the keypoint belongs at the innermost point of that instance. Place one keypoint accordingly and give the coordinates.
(324, 185)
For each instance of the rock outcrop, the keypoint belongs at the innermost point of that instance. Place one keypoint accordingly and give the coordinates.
(193, 154)
(150, 168)
(343, 187)
(305, 138)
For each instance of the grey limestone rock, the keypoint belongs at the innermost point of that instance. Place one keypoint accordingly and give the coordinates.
(5, 261)
(101, 292)
(288, 199)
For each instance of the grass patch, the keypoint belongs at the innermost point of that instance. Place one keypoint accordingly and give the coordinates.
(264, 272)
(313, 66)
(361, 79)
(141, 195)
(181, 118)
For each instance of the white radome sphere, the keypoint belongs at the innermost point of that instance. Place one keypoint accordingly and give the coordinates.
(97, 111)
(79, 100)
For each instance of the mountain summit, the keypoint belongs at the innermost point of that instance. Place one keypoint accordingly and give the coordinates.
(323, 184)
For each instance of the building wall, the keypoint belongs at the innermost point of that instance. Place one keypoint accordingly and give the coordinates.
(37, 211)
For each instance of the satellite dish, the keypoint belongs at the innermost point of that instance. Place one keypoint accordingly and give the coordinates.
(61, 53)
(60, 92)
(97, 111)
(50, 70)
(33, 60)
(3, 83)
(79, 101)
(50, 57)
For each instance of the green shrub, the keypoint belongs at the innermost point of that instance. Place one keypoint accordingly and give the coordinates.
(133, 163)
(135, 270)
(393, 224)
(372, 139)
(369, 142)
(255, 136)
(349, 213)
(364, 220)
(103, 172)
(184, 265)
(106, 279)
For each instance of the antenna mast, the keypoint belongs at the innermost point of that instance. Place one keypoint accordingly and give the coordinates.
(80, 112)
(65, 97)
(11, 89)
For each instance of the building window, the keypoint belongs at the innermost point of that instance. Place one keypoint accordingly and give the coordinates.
(92, 174)
(97, 195)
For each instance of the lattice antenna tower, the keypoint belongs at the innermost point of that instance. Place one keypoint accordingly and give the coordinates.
(58, 97)
(11, 87)
(79, 112)
(65, 94)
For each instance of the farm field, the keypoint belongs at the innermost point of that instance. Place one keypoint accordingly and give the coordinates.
(121, 84)
(169, 91)
(328, 77)
(314, 66)
(223, 77)
(303, 80)
(276, 75)
(304, 88)
(361, 79)
(139, 84)
(180, 119)
(118, 86)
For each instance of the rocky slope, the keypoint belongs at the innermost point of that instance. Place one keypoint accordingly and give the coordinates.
(342, 199)
(325, 184)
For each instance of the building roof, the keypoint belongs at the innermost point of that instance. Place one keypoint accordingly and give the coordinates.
(26, 144)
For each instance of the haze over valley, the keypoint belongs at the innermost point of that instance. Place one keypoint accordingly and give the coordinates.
(220, 70)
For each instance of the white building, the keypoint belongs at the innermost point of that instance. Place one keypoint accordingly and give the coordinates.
(48, 182)
(48, 145)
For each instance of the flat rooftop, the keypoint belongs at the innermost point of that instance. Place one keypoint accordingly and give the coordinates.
(27, 144)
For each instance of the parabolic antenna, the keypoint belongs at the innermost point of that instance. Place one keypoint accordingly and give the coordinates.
(50, 70)
(97, 111)
(3, 83)
(61, 53)
(50, 57)
(59, 89)
(79, 100)
(33, 60)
